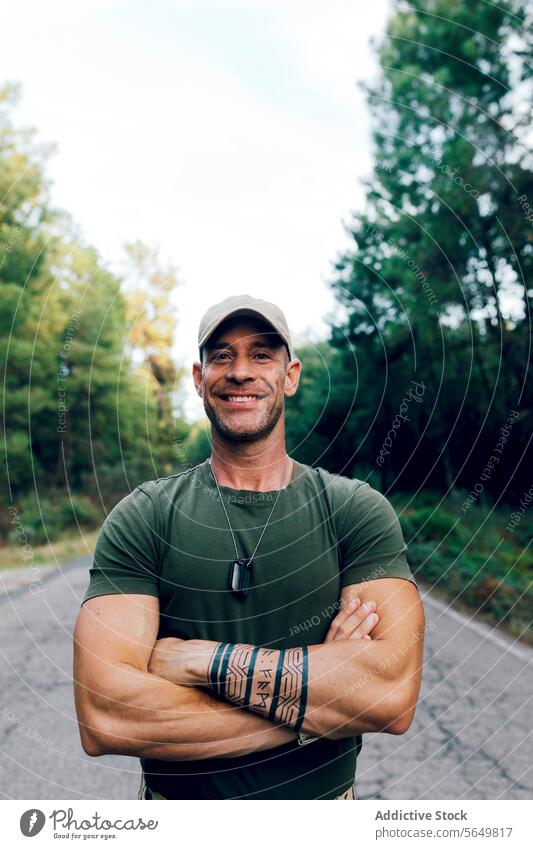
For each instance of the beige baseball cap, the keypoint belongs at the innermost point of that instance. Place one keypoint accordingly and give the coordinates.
(246, 306)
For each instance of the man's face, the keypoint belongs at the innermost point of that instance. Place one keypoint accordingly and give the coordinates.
(244, 378)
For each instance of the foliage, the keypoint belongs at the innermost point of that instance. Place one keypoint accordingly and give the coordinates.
(437, 286)
(90, 391)
(470, 558)
(45, 518)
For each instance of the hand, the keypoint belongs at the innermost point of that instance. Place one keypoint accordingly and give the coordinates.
(355, 621)
(183, 662)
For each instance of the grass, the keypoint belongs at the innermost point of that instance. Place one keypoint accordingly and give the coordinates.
(67, 547)
(471, 558)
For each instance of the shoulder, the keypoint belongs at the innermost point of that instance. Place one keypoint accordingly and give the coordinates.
(352, 500)
(342, 489)
(151, 498)
(340, 485)
(161, 490)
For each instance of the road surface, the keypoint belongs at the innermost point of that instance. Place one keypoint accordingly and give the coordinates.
(471, 737)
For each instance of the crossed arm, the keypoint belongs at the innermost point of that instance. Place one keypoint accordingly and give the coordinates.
(152, 699)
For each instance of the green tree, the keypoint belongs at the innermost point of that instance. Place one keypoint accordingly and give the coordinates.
(23, 279)
(437, 287)
(90, 390)
(151, 314)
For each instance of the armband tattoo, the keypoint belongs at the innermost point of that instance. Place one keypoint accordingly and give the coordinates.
(266, 681)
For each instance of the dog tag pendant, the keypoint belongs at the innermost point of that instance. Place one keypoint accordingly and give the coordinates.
(240, 578)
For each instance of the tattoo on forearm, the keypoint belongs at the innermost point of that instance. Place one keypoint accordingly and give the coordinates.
(269, 682)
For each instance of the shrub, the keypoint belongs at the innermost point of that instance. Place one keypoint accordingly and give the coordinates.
(44, 519)
(79, 510)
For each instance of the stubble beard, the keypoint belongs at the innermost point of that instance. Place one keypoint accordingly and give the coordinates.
(262, 428)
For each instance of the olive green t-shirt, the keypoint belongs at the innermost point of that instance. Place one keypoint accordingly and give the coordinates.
(169, 538)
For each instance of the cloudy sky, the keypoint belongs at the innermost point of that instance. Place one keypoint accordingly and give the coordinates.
(231, 133)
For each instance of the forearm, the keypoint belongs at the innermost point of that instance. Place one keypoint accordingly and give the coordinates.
(335, 690)
(136, 713)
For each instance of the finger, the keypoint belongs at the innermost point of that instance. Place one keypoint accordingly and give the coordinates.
(350, 623)
(348, 607)
(367, 637)
(343, 628)
(366, 626)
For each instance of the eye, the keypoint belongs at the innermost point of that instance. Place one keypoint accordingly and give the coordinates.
(263, 354)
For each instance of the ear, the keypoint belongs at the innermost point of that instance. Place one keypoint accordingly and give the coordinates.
(197, 378)
(292, 378)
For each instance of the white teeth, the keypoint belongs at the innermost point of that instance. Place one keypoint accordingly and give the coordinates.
(242, 397)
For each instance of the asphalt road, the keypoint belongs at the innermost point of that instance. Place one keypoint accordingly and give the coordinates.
(471, 737)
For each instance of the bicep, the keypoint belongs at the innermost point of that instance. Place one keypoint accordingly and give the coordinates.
(114, 637)
(401, 617)
(113, 630)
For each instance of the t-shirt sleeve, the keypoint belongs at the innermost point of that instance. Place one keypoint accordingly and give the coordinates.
(126, 556)
(370, 538)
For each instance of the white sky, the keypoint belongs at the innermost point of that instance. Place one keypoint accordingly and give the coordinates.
(231, 133)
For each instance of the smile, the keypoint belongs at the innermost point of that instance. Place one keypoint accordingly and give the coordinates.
(239, 399)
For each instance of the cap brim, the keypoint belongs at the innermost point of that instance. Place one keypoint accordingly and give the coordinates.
(245, 312)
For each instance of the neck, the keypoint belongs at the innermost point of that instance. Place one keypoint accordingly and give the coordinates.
(261, 466)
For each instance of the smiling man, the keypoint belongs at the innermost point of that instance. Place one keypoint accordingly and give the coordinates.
(247, 620)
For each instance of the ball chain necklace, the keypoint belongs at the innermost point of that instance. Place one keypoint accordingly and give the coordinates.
(240, 570)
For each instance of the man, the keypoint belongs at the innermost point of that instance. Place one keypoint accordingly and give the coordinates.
(247, 620)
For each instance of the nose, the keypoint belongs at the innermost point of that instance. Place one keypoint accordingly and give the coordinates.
(241, 369)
